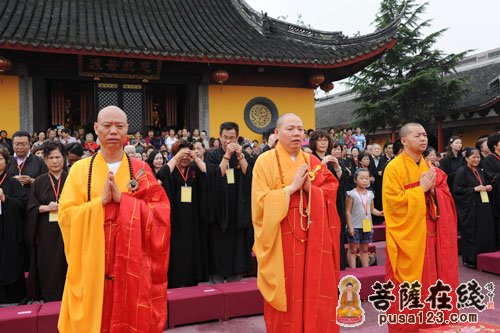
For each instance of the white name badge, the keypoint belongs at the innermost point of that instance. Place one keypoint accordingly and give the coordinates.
(53, 216)
(186, 192)
(484, 197)
(230, 176)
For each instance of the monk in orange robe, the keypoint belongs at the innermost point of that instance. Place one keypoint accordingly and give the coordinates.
(421, 225)
(296, 228)
(117, 275)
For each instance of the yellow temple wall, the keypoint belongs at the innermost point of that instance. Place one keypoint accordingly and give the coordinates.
(227, 103)
(9, 103)
(471, 134)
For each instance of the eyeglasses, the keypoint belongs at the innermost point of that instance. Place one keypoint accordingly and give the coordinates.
(21, 144)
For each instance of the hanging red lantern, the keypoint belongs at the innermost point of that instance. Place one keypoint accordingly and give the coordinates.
(316, 79)
(220, 76)
(327, 86)
(5, 65)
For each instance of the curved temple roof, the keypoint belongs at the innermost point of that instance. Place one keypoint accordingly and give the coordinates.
(217, 31)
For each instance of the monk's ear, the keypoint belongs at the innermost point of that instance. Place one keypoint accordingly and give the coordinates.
(96, 126)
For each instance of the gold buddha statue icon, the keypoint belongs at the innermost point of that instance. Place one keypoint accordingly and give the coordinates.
(349, 311)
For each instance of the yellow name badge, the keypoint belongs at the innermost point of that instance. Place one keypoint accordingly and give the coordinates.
(53, 216)
(230, 176)
(367, 225)
(484, 197)
(186, 193)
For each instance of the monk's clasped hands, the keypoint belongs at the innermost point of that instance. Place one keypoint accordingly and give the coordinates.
(428, 179)
(111, 191)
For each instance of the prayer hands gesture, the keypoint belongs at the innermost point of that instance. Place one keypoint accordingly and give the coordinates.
(184, 152)
(331, 159)
(231, 149)
(271, 141)
(111, 191)
(483, 188)
(299, 181)
(2, 196)
(53, 206)
(24, 180)
(428, 179)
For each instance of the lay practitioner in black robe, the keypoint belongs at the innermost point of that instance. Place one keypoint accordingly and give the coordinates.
(12, 204)
(24, 166)
(322, 144)
(453, 160)
(491, 165)
(184, 180)
(48, 265)
(376, 168)
(474, 209)
(229, 172)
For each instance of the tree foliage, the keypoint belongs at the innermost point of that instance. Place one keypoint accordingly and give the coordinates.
(411, 82)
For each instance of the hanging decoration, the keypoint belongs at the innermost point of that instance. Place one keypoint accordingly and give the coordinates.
(5, 66)
(220, 76)
(327, 86)
(316, 79)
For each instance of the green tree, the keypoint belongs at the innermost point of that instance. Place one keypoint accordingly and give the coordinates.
(410, 83)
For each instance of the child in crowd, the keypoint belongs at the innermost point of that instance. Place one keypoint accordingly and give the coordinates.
(358, 212)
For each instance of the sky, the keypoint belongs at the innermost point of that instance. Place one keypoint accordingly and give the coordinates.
(472, 25)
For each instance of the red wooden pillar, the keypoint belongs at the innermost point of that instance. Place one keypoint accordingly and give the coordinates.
(440, 147)
(393, 136)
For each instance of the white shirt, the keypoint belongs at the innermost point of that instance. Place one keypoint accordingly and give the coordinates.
(170, 142)
(113, 167)
(20, 161)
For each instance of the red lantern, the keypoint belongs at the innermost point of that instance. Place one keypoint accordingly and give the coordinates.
(316, 79)
(327, 86)
(220, 76)
(5, 65)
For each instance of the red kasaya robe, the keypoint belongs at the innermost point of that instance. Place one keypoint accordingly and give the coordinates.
(419, 248)
(138, 289)
(117, 276)
(298, 280)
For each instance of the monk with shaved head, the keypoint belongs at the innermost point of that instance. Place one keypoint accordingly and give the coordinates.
(421, 227)
(115, 222)
(296, 230)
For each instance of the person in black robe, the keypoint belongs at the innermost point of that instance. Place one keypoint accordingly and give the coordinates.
(6, 142)
(322, 145)
(474, 209)
(24, 166)
(453, 160)
(388, 154)
(188, 252)
(376, 168)
(12, 205)
(491, 165)
(229, 174)
(48, 265)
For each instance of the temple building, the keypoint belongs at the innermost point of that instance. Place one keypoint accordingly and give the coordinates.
(476, 114)
(167, 63)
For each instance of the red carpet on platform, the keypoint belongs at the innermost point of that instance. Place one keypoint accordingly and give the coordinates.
(489, 262)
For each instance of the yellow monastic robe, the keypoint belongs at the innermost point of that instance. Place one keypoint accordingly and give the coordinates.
(405, 216)
(267, 214)
(275, 214)
(82, 229)
(421, 235)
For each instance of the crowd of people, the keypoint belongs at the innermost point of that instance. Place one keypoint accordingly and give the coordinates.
(208, 181)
